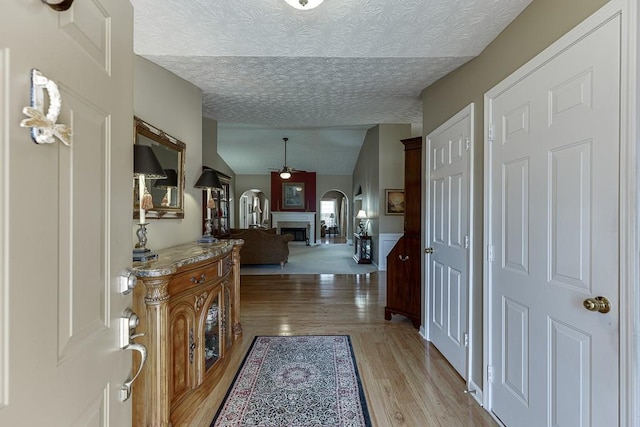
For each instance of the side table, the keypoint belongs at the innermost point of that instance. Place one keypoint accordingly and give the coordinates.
(362, 246)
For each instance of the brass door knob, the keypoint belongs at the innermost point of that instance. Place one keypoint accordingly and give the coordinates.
(599, 304)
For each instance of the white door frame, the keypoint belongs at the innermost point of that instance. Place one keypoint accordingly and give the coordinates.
(629, 240)
(474, 341)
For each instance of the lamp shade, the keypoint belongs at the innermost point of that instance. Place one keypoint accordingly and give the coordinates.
(171, 181)
(146, 163)
(361, 214)
(208, 179)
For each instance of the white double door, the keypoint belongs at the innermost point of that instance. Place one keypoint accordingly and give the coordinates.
(448, 160)
(552, 224)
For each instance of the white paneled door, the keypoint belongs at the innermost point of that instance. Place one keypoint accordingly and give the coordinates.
(448, 239)
(66, 214)
(552, 165)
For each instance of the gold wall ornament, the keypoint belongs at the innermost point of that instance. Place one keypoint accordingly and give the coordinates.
(44, 128)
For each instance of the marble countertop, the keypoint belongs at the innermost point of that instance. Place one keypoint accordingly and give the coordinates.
(171, 259)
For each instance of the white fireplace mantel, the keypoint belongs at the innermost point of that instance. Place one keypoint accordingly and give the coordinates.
(308, 218)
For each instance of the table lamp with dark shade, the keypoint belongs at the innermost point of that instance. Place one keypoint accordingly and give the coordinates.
(208, 180)
(168, 183)
(145, 166)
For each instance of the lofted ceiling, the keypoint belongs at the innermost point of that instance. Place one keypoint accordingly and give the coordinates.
(320, 77)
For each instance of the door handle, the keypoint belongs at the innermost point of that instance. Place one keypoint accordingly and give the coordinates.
(599, 304)
(428, 250)
(403, 258)
(125, 390)
(128, 324)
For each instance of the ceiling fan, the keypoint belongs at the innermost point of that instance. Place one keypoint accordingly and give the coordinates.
(286, 171)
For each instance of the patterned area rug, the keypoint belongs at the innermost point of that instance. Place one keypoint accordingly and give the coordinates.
(300, 381)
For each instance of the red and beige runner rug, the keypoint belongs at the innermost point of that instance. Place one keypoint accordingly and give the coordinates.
(301, 381)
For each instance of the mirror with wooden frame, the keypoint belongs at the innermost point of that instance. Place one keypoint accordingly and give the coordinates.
(167, 193)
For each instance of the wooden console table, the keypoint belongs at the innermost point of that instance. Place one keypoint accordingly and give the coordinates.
(188, 303)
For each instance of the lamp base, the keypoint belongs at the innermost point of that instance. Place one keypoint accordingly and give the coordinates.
(144, 254)
(207, 238)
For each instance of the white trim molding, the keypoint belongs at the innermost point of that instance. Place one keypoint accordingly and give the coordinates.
(4, 227)
(308, 218)
(629, 209)
(629, 378)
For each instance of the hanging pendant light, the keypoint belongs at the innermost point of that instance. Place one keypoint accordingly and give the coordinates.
(304, 4)
(285, 173)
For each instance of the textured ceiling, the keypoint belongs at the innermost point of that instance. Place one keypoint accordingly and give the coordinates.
(320, 77)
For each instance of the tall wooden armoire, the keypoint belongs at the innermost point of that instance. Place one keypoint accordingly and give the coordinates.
(403, 262)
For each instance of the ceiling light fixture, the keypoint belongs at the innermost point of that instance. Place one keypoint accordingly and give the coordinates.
(285, 174)
(304, 4)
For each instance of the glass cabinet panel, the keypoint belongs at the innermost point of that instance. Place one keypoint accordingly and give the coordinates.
(220, 211)
(212, 334)
(227, 324)
(221, 224)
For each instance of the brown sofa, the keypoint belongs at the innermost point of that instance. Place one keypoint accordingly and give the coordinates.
(262, 246)
(265, 229)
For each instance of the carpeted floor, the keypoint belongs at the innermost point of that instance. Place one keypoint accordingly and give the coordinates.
(319, 259)
(296, 381)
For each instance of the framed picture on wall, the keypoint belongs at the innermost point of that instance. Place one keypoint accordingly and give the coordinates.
(293, 195)
(394, 202)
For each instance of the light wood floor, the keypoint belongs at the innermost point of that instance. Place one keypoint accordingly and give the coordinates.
(331, 239)
(407, 382)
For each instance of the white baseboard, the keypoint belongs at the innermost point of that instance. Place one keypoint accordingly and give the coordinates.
(477, 394)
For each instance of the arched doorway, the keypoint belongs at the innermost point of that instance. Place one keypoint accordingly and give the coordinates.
(254, 209)
(334, 207)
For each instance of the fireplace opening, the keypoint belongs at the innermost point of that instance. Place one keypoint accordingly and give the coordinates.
(299, 234)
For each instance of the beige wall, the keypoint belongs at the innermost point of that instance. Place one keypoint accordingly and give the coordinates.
(391, 172)
(211, 158)
(538, 26)
(174, 105)
(366, 175)
(380, 165)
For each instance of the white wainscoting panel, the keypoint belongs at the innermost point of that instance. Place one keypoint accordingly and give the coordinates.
(387, 242)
